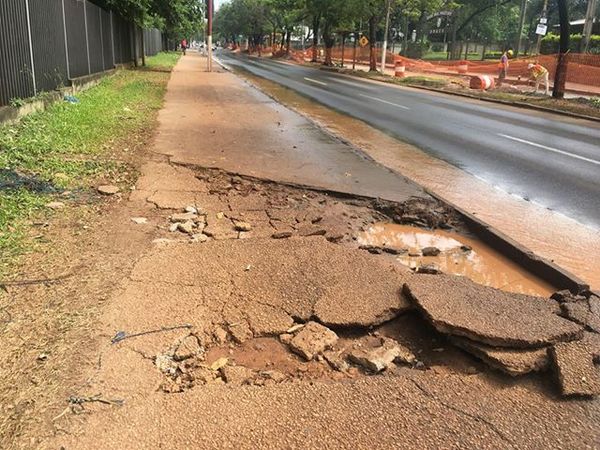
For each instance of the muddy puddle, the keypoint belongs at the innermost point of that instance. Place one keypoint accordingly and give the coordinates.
(553, 236)
(459, 255)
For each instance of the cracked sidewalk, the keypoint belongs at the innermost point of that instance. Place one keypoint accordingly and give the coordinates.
(248, 281)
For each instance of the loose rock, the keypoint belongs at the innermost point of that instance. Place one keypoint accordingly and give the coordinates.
(237, 375)
(199, 237)
(183, 217)
(431, 251)
(108, 189)
(429, 269)
(336, 361)
(380, 358)
(373, 249)
(313, 340)
(273, 375)
(188, 348)
(139, 220)
(575, 369)
(282, 235)
(186, 227)
(220, 335)
(242, 226)
(456, 305)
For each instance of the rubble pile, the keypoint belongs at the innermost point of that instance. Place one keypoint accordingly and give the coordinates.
(278, 272)
(515, 333)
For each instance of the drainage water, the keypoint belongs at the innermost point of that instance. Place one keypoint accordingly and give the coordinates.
(481, 264)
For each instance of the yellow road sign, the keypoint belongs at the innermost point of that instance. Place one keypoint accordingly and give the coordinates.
(363, 41)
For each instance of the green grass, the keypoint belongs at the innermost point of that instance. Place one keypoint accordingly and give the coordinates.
(163, 61)
(423, 81)
(68, 146)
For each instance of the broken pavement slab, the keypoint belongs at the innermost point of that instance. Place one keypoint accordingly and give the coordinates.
(514, 362)
(575, 369)
(313, 340)
(457, 306)
(582, 312)
(366, 296)
(265, 320)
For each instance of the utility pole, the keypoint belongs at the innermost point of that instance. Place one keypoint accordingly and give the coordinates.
(521, 26)
(589, 24)
(385, 36)
(209, 27)
(539, 39)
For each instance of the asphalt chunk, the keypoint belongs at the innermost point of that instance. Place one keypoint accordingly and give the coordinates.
(575, 369)
(457, 306)
(514, 362)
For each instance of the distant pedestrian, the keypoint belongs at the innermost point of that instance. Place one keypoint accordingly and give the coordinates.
(539, 73)
(184, 45)
(503, 66)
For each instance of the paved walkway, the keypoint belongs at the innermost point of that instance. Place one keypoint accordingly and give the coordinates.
(215, 120)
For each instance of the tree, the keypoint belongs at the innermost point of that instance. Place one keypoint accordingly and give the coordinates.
(560, 76)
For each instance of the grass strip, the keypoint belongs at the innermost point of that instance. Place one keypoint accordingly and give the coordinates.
(69, 145)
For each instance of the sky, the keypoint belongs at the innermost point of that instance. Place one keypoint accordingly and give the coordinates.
(218, 3)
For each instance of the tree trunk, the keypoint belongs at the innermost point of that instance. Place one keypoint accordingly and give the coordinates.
(288, 42)
(372, 42)
(560, 77)
(329, 42)
(315, 50)
(343, 47)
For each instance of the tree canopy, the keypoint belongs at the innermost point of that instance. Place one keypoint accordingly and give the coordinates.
(177, 18)
(484, 21)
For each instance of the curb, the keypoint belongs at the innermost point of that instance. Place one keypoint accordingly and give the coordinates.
(520, 254)
(541, 267)
(475, 97)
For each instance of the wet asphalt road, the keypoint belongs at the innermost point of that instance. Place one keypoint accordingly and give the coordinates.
(551, 160)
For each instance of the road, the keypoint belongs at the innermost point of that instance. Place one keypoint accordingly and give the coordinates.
(551, 160)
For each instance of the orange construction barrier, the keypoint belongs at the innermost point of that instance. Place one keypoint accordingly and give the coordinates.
(482, 82)
(462, 67)
(400, 71)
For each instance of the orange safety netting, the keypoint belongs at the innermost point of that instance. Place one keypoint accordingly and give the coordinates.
(583, 70)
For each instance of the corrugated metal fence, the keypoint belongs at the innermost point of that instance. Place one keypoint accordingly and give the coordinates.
(46, 43)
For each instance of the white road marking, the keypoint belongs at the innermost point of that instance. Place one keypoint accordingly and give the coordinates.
(384, 101)
(354, 85)
(315, 81)
(555, 150)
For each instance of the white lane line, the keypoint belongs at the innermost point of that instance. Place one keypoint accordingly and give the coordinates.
(315, 81)
(354, 85)
(555, 150)
(384, 101)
